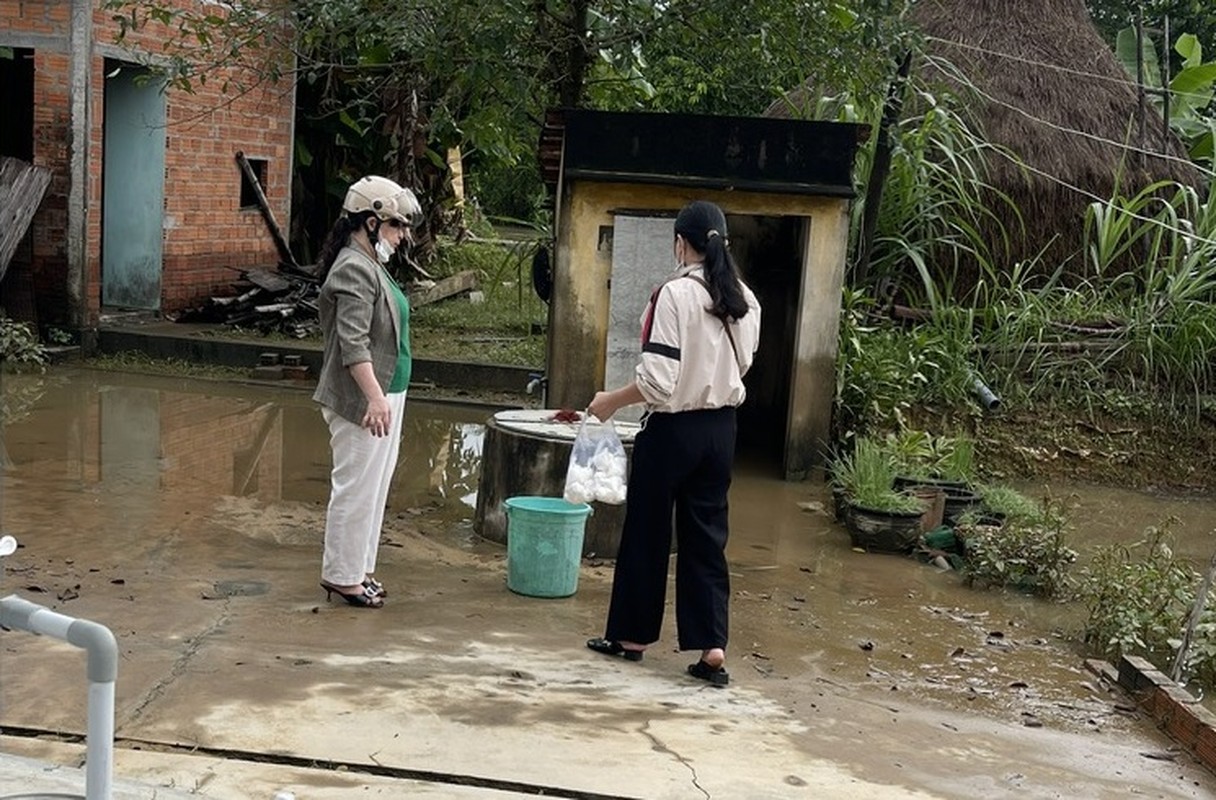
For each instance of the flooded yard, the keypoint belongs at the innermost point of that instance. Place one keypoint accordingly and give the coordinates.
(103, 469)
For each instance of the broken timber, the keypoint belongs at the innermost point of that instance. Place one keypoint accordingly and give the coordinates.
(22, 186)
(286, 302)
(460, 282)
(279, 239)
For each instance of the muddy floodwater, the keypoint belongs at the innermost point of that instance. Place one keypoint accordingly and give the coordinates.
(137, 454)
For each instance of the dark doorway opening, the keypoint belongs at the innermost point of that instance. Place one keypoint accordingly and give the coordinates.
(17, 293)
(17, 101)
(768, 251)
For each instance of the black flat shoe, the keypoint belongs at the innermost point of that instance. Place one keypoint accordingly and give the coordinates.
(718, 676)
(366, 598)
(610, 647)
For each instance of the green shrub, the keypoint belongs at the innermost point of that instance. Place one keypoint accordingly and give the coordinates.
(1138, 598)
(1010, 504)
(919, 454)
(19, 345)
(867, 476)
(883, 371)
(1030, 556)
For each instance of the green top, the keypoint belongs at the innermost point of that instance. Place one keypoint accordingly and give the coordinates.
(405, 365)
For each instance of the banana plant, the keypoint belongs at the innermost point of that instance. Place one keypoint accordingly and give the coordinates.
(1192, 117)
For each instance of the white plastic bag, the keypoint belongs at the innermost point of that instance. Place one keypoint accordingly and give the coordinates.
(597, 465)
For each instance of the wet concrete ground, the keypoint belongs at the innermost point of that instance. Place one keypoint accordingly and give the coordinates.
(187, 517)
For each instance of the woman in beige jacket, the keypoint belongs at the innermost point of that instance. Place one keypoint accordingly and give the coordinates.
(699, 336)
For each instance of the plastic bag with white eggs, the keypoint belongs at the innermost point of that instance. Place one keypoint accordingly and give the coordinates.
(598, 465)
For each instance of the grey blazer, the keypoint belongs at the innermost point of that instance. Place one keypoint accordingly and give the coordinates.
(360, 321)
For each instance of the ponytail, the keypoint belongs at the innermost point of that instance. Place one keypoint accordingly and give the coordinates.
(703, 226)
(337, 238)
(722, 275)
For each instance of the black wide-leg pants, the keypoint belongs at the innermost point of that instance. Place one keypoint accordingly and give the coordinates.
(681, 461)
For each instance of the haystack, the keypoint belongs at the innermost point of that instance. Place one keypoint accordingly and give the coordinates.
(1049, 89)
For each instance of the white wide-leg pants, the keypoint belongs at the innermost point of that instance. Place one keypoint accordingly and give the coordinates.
(362, 472)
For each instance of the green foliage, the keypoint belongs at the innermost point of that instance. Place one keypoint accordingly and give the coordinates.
(919, 454)
(392, 91)
(1191, 87)
(1142, 324)
(503, 328)
(882, 370)
(486, 258)
(737, 57)
(59, 336)
(957, 461)
(938, 212)
(1027, 555)
(19, 345)
(1196, 16)
(1011, 504)
(1143, 321)
(1138, 598)
(867, 476)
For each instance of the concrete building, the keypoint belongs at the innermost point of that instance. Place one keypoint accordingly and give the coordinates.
(618, 180)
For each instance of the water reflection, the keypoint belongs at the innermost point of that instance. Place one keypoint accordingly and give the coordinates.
(191, 440)
(138, 435)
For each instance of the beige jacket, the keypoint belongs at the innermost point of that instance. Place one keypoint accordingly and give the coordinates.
(687, 359)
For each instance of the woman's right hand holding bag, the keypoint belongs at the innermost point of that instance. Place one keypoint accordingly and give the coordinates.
(598, 466)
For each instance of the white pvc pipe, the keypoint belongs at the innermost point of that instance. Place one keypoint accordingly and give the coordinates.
(102, 649)
(99, 767)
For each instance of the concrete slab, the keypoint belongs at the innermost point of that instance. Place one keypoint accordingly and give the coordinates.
(176, 776)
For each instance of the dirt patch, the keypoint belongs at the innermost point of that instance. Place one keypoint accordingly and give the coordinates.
(1127, 449)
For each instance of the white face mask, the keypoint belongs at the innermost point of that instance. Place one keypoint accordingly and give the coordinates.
(384, 251)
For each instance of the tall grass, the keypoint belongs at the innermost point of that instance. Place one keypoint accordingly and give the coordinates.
(939, 213)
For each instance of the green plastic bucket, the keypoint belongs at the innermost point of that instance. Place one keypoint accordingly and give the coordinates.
(544, 545)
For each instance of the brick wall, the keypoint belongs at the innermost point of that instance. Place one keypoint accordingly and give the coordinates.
(1175, 710)
(206, 232)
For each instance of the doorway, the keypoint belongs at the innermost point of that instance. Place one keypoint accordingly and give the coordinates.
(769, 253)
(133, 184)
(17, 141)
(17, 100)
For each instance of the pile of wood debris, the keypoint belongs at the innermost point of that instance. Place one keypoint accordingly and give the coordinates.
(285, 301)
(266, 301)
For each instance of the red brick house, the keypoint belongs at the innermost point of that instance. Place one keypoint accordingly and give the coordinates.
(148, 208)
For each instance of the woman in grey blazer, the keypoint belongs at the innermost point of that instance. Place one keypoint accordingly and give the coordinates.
(364, 376)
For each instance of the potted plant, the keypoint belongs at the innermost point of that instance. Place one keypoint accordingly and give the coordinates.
(943, 462)
(843, 477)
(1001, 503)
(877, 516)
(926, 460)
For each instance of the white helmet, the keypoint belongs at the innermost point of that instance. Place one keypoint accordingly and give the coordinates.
(385, 198)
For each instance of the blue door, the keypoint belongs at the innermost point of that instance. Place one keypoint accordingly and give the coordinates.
(133, 189)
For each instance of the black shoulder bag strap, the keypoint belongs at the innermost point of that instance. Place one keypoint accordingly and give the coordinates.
(729, 335)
